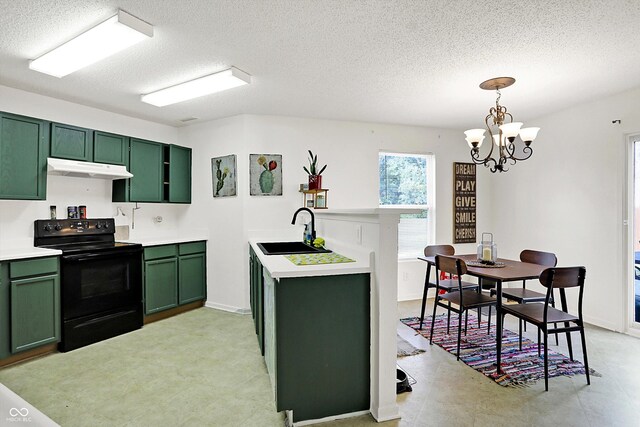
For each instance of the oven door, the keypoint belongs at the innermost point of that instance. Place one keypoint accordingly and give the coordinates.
(100, 282)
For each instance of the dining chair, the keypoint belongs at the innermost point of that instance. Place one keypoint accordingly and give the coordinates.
(524, 295)
(465, 299)
(447, 286)
(543, 315)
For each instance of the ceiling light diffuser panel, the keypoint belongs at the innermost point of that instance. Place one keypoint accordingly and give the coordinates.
(111, 36)
(206, 85)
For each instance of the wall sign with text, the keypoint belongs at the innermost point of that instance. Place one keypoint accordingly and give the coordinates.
(464, 203)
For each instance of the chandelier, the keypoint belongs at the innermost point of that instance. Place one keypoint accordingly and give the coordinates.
(503, 134)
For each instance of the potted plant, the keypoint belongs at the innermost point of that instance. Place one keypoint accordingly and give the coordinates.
(315, 175)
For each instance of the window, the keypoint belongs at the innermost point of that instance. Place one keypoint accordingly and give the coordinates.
(407, 180)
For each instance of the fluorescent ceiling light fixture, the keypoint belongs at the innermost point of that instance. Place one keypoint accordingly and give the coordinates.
(206, 85)
(111, 36)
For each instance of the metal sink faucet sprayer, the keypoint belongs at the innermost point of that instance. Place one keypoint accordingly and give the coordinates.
(313, 221)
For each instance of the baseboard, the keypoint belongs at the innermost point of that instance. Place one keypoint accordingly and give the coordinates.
(289, 416)
(229, 308)
(602, 323)
(409, 297)
(388, 413)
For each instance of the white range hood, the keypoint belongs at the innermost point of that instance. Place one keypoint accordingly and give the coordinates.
(86, 169)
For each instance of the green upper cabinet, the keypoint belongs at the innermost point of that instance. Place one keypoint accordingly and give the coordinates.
(71, 142)
(179, 174)
(146, 165)
(24, 148)
(110, 148)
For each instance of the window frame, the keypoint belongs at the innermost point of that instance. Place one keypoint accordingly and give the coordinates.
(430, 207)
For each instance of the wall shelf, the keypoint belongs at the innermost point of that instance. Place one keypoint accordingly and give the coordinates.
(316, 199)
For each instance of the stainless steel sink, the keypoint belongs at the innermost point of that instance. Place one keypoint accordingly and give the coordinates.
(289, 248)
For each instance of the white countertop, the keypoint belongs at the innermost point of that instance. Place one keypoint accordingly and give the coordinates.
(280, 267)
(22, 252)
(168, 239)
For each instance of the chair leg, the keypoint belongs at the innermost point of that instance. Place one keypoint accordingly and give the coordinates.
(555, 325)
(424, 300)
(479, 316)
(546, 361)
(459, 333)
(520, 331)
(566, 324)
(499, 329)
(433, 318)
(489, 322)
(448, 317)
(584, 353)
(538, 342)
(466, 322)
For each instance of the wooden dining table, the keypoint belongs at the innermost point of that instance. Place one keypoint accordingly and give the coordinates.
(511, 272)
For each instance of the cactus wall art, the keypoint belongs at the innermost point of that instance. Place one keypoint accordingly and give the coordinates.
(225, 179)
(265, 174)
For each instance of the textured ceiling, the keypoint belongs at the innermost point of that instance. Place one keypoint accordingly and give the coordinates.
(406, 62)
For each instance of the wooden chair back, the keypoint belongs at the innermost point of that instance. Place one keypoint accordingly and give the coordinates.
(538, 257)
(451, 265)
(434, 250)
(563, 277)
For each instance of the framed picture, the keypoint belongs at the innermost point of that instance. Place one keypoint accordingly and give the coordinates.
(224, 175)
(265, 174)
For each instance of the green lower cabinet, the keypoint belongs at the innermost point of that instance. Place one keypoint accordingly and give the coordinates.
(256, 296)
(24, 148)
(161, 285)
(317, 344)
(193, 278)
(174, 275)
(35, 312)
(29, 304)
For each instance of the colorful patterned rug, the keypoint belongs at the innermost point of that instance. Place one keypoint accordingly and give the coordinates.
(478, 350)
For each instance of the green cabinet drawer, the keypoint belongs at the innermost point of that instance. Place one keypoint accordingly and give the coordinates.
(35, 312)
(110, 148)
(192, 248)
(33, 267)
(193, 278)
(161, 285)
(71, 142)
(156, 252)
(24, 148)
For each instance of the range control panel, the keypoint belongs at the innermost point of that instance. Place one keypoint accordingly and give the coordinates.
(67, 227)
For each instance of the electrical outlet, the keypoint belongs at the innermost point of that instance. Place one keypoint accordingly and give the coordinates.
(405, 276)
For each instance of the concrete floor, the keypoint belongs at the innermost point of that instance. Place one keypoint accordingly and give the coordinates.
(203, 368)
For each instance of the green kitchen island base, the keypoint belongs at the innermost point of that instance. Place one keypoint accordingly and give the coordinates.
(317, 344)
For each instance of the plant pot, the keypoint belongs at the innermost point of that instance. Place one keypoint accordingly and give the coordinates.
(315, 182)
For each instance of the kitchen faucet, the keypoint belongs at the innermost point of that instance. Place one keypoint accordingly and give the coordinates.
(313, 221)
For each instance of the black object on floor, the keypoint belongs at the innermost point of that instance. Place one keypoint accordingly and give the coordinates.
(402, 382)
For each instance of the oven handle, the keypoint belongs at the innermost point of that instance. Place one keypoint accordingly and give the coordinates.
(106, 254)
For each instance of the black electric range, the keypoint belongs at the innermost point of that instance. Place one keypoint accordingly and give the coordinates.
(101, 279)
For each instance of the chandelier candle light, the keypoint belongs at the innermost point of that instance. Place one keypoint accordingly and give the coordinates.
(503, 134)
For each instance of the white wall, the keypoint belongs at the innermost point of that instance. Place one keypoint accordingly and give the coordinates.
(351, 151)
(569, 197)
(16, 217)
